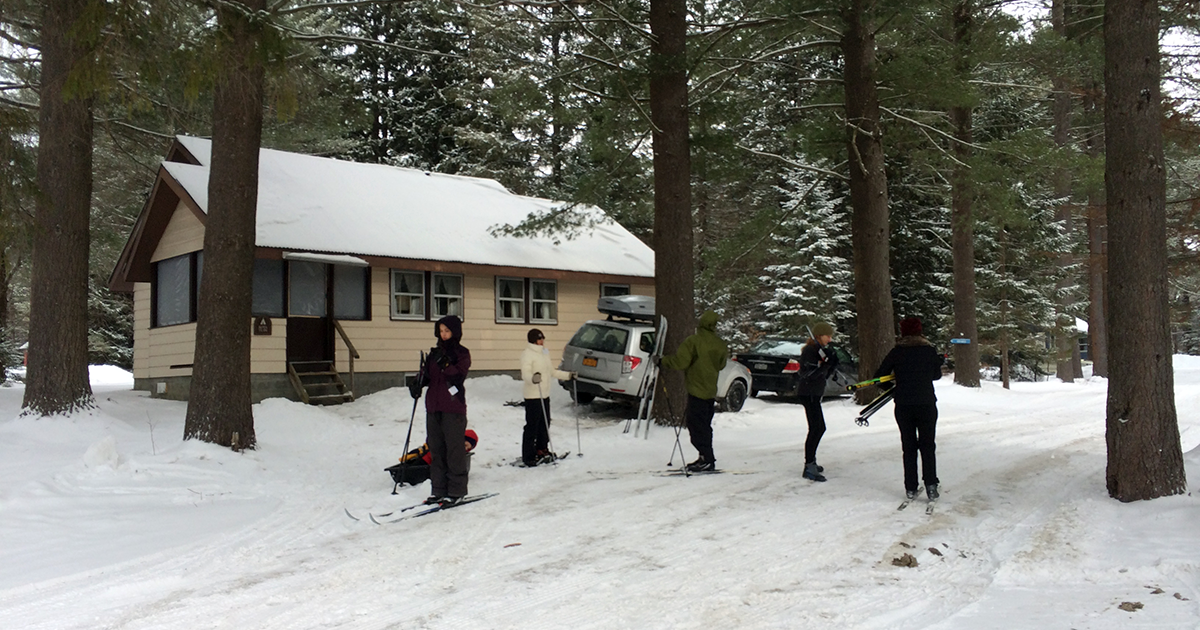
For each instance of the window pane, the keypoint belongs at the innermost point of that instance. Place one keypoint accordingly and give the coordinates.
(350, 292)
(408, 294)
(173, 290)
(510, 299)
(307, 283)
(543, 290)
(544, 305)
(611, 290)
(447, 295)
(268, 288)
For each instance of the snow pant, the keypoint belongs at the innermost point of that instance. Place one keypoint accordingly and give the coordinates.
(816, 426)
(536, 437)
(450, 466)
(699, 415)
(918, 429)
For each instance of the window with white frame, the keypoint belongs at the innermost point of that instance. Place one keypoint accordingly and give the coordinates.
(510, 300)
(526, 301)
(447, 296)
(408, 294)
(543, 301)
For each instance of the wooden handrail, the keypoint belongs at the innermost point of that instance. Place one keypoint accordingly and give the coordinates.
(353, 352)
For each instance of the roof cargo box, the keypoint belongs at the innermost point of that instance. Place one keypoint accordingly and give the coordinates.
(639, 307)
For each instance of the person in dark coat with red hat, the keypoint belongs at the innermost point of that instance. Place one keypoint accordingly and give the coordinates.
(916, 364)
(446, 412)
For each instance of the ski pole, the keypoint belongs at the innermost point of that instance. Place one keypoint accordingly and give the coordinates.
(578, 441)
(868, 383)
(546, 421)
(873, 406)
(678, 432)
(408, 437)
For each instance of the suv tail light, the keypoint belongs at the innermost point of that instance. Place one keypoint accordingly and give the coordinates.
(629, 364)
(792, 367)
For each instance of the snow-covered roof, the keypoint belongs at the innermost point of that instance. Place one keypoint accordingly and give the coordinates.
(308, 203)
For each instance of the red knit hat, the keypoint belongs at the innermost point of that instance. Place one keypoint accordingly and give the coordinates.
(910, 326)
(471, 437)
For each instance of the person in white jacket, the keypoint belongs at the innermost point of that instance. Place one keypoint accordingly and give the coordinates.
(536, 375)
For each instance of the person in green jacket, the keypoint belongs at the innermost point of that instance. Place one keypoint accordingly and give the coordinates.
(700, 356)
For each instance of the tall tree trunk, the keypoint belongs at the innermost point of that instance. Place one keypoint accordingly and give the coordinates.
(219, 409)
(57, 378)
(1145, 458)
(1061, 109)
(673, 252)
(962, 219)
(868, 194)
(5, 279)
(1097, 253)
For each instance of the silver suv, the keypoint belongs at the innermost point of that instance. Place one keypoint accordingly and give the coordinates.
(611, 356)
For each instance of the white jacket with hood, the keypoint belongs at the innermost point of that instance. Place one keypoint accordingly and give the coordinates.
(536, 360)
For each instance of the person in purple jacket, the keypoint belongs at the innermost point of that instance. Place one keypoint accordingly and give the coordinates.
(446, 412)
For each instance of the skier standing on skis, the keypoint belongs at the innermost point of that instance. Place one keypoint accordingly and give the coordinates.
(700, 356)
(817, 361)
(536, 371)
(916, 364)
(446, 412)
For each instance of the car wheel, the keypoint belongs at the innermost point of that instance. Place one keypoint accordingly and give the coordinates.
(735, 397)
(583, 398)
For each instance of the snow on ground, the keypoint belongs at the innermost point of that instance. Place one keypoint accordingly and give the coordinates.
(109, 520)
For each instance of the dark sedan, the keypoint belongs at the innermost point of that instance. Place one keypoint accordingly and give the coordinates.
(774, 364)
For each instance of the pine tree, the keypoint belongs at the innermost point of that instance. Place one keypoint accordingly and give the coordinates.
(813, 279)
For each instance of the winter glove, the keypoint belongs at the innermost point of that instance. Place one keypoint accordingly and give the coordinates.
(440, 357)
(574, 375)
(415, 389)
(537, 378)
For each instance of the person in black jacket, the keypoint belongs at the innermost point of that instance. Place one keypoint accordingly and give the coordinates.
(817, 361)
(916, 364)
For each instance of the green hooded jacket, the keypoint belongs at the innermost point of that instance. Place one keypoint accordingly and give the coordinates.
(701, 356)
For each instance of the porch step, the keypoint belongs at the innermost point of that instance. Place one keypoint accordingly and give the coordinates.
(318, 383)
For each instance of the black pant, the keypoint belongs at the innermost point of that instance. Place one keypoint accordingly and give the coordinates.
(816, 426)
(536, 436)
(699, 415)
(918, 429)
(450, 463)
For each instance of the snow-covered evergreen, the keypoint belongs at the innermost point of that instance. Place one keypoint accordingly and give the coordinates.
(812, 280)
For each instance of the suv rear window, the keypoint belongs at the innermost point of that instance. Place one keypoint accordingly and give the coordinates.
(601, 339)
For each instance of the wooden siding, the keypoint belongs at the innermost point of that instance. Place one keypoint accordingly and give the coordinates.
(384, 344)
(184, 234)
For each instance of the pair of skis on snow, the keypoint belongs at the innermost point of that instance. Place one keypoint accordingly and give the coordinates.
(928, 506)
(648, 386)
(430, 508)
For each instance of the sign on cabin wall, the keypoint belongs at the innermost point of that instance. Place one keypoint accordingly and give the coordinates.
(262, 325)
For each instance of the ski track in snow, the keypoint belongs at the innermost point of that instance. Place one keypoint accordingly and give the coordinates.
(600, 541)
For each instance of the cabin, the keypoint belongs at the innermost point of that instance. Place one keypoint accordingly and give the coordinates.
(354, 263)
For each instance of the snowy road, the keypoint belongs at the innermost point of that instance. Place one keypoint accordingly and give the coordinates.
(110, 521)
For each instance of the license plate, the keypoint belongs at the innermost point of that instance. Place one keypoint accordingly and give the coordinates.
(590, 361)
(761, 367)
